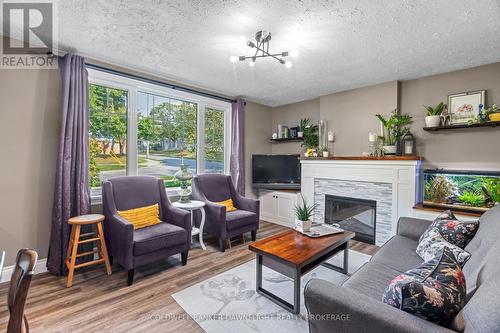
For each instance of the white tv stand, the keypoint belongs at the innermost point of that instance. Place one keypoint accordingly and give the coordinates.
(277, 206)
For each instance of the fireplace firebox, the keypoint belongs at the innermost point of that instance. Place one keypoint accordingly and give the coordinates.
(358, 215)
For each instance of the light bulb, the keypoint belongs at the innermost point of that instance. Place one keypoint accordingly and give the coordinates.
(288, 64)
(294, 53)
(251, 63)
(233, 59)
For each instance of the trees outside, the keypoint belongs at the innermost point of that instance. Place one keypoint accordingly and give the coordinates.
(214, 134)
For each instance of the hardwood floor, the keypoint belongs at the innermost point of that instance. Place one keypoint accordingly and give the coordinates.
(101, 303)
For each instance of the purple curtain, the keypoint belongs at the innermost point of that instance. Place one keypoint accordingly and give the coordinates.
(237, 161)
(72, 192)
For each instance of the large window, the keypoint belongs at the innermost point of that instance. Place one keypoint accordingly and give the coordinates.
(139, 128)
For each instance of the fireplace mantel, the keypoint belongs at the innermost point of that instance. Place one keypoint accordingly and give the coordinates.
(401, 175)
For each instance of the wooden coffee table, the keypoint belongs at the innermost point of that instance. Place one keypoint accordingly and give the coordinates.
(293, 255)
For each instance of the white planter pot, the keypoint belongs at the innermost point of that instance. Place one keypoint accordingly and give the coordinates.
(300, 134)
(303, 226)
(389, 150)
(433, 121)
(325, 154)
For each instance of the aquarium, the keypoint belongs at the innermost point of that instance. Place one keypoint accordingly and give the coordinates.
(470, 191)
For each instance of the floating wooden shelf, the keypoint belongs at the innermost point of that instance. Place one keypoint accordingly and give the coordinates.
(461, 126)
(287, 140)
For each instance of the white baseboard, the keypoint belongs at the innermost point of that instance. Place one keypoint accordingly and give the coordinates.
(40, 267)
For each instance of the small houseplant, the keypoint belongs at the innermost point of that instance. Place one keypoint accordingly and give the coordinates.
(393, 128)
(303, 213)
(433, 118)
(310, 135)
(303, 124)
(325, 152)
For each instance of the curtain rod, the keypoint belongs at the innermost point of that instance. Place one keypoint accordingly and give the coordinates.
(167, 85)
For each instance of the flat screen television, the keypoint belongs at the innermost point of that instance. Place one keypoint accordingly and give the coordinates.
(276, 171)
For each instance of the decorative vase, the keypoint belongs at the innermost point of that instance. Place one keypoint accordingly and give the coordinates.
(183, 175)
(494, 116)
(390, 150)
(433, 121)
(325, 154)
(300, 134)
(303, 226)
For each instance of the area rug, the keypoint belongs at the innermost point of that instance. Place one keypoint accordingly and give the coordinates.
(228, 302)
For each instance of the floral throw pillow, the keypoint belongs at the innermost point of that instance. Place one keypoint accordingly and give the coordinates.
(434, 291)
(454, 231)
(433, 243)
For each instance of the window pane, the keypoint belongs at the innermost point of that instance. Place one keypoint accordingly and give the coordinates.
(107, 134)
(214, 141)
(165, 127)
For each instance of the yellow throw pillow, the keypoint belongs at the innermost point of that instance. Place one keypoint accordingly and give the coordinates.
(143, 216)
(228, 204)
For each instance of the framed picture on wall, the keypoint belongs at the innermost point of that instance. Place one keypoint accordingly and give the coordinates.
(464, 107)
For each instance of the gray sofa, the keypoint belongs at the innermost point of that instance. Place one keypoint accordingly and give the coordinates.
(356, 306)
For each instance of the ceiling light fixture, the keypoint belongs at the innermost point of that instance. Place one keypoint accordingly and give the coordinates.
(263, 38)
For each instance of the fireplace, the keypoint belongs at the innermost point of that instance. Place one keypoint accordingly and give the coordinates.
(358, 215)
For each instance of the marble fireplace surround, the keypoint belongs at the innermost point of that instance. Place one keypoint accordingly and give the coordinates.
(390, 182)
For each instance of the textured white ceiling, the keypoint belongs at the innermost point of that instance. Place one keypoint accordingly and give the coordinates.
(342, 44)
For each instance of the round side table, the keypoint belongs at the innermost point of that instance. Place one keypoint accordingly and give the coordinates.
(192, 206)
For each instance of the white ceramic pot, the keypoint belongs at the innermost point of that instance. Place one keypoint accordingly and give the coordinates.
(433, 121)
(303, 226)
(389, 150)
(300, 134)
(325, 154)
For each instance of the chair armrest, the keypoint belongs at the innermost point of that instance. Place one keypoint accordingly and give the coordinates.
(337, 309)
(120, 234)
(180, 218)
(412, 228)
(251, 205)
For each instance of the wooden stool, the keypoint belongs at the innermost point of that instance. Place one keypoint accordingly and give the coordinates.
(72, 251)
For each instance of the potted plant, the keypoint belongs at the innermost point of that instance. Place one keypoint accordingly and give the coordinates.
(303, 123)
(493, 113)
(394, 128)
(303, 213)
(433, 118)
(324, 151)
(310, 136)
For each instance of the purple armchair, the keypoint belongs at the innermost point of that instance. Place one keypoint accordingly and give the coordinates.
(211, 188)
(132, 248)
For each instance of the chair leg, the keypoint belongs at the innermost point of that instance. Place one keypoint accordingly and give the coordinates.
(130, 277)
(222, 245)
(228, 241)
(254, 235)
(72, 259)
(184, 258)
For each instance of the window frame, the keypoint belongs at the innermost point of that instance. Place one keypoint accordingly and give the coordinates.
(134, 86)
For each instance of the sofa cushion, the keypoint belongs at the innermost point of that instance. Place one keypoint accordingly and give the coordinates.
(239, 218)
(371, 279)
(433, 243)
(454, 231)
(398, 253)
(434, 291)
(157, 237)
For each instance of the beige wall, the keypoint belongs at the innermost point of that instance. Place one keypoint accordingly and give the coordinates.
(466, 149)
(29, 135)
(257, 134)
(290, 115)
(351, 115)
